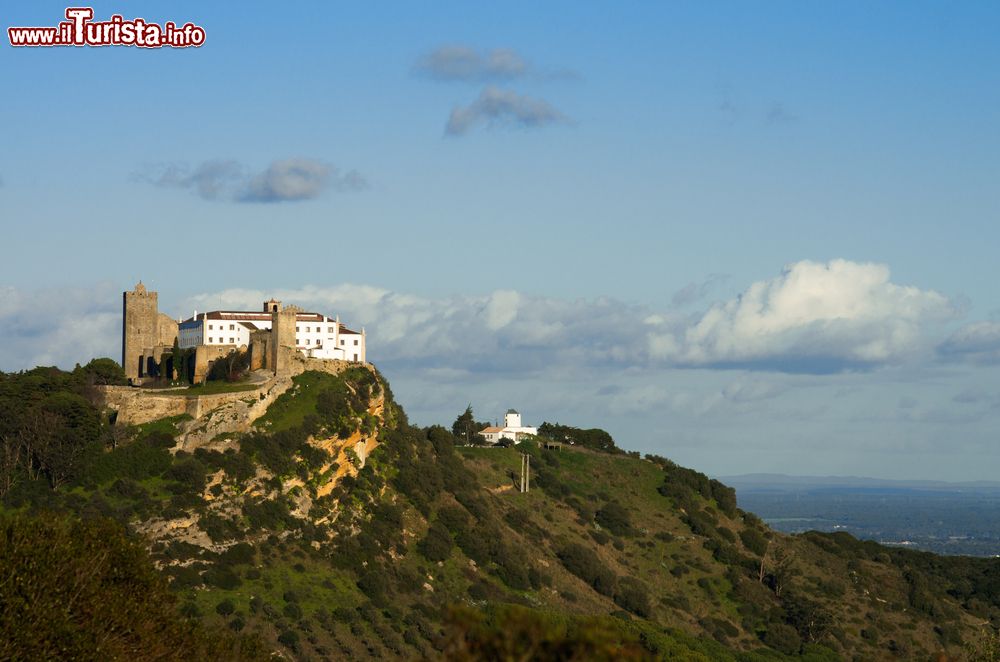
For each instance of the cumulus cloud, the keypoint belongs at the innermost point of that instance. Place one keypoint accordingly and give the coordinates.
(283, 181)
(978, 342)
(60, 327)
(462, 63)
(813, 317)
(497, 107)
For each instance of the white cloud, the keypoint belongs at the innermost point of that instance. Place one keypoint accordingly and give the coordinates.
(813, 317)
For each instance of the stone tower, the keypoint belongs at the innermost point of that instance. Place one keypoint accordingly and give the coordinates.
(282, 334)
(139, 327)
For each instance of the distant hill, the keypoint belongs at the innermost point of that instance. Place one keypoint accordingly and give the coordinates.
(333, 529)
(946, 518)
(769, 482)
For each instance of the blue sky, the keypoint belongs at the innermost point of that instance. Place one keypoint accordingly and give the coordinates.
(748, 237)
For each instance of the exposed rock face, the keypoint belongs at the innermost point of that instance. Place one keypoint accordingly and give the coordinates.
(216, 425)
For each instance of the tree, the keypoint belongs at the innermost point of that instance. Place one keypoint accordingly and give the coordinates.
(231, 367)
(103, 372)
(11, 452)
(81, 589)
(466, 428)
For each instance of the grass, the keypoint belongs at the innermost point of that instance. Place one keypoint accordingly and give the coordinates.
(167, 425)
(212, 388)
(292, 407)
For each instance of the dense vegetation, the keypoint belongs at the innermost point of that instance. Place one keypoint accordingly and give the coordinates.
(425, 548)
(79, 589)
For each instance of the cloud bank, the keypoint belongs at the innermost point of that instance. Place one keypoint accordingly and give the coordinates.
(811, 318)
(497, 108)
(59, 326)
(286, 180)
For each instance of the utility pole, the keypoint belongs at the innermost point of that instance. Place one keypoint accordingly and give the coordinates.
(525, 472)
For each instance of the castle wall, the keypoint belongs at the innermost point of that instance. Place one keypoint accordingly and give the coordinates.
(203, 357)
(166, 330)
(260, 349)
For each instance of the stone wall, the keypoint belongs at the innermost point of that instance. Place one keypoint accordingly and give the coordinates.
(212, 415)
(166, 330)
(203, 357)
(260, 349)
(136, 406)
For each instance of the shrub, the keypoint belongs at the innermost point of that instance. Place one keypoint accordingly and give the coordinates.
(614, 517)
(225, 608)
(782, 637)
(633, 596)
(223, 578)
(437, 544)
(754, 541)
(582, 562)
(189, 473)
(290, 639)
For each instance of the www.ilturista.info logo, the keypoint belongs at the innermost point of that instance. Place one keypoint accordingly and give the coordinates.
(81, 30)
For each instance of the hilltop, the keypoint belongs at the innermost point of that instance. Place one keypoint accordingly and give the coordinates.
(324, 526)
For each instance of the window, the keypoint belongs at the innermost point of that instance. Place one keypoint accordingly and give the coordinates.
(210, 327)
(210, 339)
(232, 341)
(232, 327)
(341, 342)
(308, 341)
(330, 330)
(296, 329)
(355, 341)
(355, 357)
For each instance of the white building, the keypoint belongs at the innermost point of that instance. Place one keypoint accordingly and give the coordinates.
(316, 335)
(512, 429)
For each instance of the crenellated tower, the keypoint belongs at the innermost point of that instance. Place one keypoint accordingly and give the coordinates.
(139, 328)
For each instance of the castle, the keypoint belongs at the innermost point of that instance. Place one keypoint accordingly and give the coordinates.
(154, 344)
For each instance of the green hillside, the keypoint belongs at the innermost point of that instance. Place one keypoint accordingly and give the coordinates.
(292, 538)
